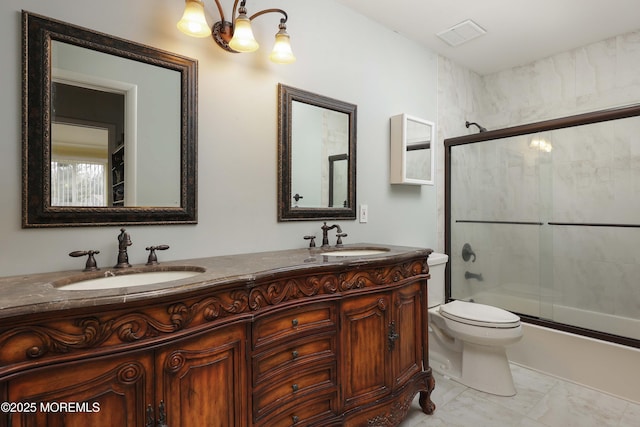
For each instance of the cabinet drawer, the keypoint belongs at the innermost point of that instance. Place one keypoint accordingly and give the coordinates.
(300, 384)
(284, 358)
(282, 325)
(304, 412)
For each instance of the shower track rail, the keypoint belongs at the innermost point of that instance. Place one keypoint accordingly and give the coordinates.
(474, 221)
(593, 224)
(562, 224)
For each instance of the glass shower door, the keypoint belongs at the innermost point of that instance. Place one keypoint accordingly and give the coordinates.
(495, 210)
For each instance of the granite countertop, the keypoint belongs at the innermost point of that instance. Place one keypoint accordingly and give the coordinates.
(25, 294)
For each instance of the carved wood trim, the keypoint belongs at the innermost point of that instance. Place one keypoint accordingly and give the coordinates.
(123, 327)
(395, 414)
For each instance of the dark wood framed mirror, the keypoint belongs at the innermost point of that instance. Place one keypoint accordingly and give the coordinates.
(314, 131)
(109, 129)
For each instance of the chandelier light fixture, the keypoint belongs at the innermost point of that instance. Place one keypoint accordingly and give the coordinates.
(236, 35)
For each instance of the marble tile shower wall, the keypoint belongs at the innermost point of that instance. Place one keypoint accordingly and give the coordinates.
(600, 75)
(592, 176)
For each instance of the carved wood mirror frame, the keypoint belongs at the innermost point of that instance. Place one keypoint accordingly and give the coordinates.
(38, 34)
(286, 212)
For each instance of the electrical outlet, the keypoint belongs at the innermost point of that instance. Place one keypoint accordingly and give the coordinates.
(364, 213)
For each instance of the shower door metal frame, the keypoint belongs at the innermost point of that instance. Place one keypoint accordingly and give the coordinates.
(542, 126)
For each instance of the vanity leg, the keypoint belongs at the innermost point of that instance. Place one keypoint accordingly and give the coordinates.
(425, 396)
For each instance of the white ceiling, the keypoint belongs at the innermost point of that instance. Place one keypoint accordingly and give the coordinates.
(518, 31)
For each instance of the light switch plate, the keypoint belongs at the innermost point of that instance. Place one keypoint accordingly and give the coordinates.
(364, 213)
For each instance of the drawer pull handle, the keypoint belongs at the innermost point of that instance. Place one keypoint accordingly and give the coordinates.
(294, 322)
(295, 387)
(295, 354)
(295, 419)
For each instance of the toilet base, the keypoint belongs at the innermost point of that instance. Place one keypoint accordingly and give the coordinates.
(487, 369)
(482, 368)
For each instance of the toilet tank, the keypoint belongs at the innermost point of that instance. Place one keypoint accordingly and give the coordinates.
(435, 287)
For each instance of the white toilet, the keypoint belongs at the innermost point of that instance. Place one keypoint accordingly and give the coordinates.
(467, 340)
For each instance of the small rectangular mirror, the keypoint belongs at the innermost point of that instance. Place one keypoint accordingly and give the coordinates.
(412, 150)
(316, 156)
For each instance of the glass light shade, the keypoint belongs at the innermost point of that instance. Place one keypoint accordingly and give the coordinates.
(193, 22)
(243, 40)
(282, 53)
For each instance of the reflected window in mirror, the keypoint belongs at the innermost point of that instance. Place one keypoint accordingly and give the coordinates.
(87, 127)
(110, 129)
(317, 145)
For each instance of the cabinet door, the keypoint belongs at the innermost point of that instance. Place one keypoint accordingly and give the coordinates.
(112, 391)
(406, 334)
(366, 372)
(202, 380)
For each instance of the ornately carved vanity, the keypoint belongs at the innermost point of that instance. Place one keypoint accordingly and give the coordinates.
(287, 338)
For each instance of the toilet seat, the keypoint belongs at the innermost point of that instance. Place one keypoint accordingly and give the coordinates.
(479, 315)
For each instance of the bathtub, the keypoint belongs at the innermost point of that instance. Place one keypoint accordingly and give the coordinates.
(604, 366)
(530, 303)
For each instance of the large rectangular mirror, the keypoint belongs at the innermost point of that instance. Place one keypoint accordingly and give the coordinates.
(109, 129)
(316, 155)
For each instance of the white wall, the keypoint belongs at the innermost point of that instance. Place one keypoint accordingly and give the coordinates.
(377, 69)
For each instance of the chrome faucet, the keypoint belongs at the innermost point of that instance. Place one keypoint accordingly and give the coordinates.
(325, 235)
(124, 241)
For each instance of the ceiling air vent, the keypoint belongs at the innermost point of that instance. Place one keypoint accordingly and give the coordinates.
(461, 33)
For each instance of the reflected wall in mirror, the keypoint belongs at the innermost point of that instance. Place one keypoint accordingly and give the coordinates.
(412, 150)
(109, 129)
(316, 156)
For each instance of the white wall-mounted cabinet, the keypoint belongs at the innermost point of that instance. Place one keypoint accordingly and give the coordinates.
(412, 150)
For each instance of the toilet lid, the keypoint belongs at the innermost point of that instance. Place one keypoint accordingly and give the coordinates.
(479, 314)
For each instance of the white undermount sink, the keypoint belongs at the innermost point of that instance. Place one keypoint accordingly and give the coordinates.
(111, 280)
(355, 252)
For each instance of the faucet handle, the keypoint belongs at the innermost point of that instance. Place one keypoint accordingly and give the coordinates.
(467, 253)
(312, 241)
(339, 241)
(91, 264)
(153, 259)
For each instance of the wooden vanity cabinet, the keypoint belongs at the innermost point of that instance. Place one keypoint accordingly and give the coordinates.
(120, 386)
(295, 365)
(203, 381)
(194, 380)
(328, 345)
(382, 348)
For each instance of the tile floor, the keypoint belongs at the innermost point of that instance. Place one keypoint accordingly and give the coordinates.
(542, 401)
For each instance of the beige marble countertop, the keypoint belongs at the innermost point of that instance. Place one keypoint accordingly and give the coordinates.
(32, 293)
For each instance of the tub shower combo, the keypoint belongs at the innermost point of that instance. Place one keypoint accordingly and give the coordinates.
(544, 220)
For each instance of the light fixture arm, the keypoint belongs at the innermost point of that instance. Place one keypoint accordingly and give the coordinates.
(255, 15)
(235, 35)
(262, 12)
(221, 11)
(223, 29)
